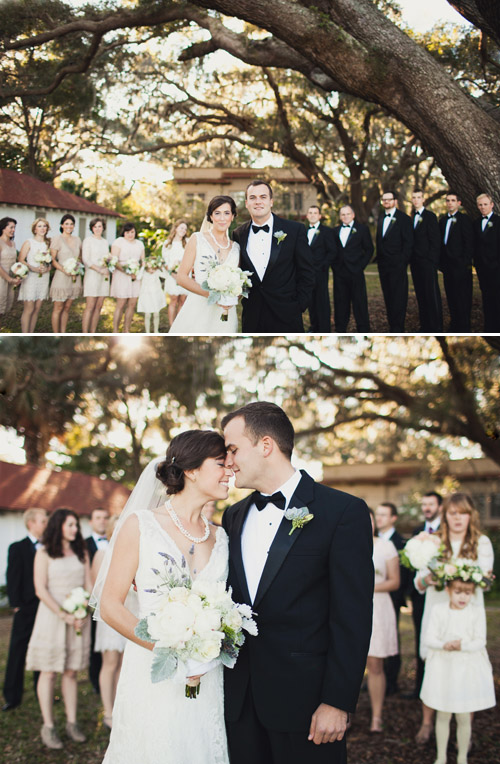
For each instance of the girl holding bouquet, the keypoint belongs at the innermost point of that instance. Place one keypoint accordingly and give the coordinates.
(172, 253)
(60, 642)
(125, 285)
(95, 251)
(163, 542)
(35, 253)
(8, 282)
(461, 538)
(458, 678)
(65, 287)
(206, 249)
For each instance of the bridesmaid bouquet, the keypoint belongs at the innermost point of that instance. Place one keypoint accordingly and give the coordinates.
(421, 550)
(225, 284)
(194, 626)
(109, 261)
(43, 258)
(20, 271)
(154, 263)
(132, 267)
(73, 267)
(77, 604)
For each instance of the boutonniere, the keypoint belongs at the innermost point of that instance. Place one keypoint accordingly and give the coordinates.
(354, 230)
(489, 224)
(279, 236)
(453, 220)
(419, 220)
(299, 516)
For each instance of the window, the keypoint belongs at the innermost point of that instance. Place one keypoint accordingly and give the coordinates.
(495, 505)
(286, 201)
(82, 228)
(297, 201)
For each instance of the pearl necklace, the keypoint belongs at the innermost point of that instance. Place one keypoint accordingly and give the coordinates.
(176, 521)
(220, 246)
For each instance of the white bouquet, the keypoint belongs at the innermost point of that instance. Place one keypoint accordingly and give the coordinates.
(225, 284)
(73, 267)
(19, 271)
(132, 267)
(420, 550)
(77, 604)
(194, 626)
(43, 258)
(109, 261)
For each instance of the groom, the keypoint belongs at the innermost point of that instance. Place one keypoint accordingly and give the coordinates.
(283, 275)
(289, 695)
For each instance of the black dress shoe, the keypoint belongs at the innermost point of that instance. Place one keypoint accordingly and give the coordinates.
(10, 706)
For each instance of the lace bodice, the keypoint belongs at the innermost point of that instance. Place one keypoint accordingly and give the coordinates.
(206, 257)
(155, 541)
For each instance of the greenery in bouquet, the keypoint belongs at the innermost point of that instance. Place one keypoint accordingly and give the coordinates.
(225, 284)
(110, 262)
(132, 266)
(73, 267)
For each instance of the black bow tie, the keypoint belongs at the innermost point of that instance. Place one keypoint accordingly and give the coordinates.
(102, 538)
(450, 216)
(388, 215)
(344, 225)
(417, 212)
(485, 217)
(257, 228)
(313, 227)
(277, 499)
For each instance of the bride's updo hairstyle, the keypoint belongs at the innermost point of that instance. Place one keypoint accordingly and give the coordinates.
(188, 451)
(217, 202)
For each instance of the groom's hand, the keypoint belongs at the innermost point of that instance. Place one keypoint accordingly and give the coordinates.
(328, 724)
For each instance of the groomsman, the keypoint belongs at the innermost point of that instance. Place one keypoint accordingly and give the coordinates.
(394, 247)
(23, 600)
(487, 261)
(424, 265)
(277, 253)
(457, 241)
(431, 510)
(97, 540)
(386, 516)
(320, 240)
(354, 250)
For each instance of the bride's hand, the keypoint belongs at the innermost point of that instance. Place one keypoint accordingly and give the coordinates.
(193, 681)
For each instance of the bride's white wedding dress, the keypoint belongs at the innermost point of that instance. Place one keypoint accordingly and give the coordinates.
(156, 723)
(196, 316)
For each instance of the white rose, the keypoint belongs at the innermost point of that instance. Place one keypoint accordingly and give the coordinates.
(206, 621)
(477, 577)
(173, 625)
(209, 648)
(178, 594)
(233, 619)
(80, 612)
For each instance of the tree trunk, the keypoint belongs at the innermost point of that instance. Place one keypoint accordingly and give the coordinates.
(352, 42)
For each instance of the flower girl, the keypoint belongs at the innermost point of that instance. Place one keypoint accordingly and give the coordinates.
(458, 678)
(151, 296)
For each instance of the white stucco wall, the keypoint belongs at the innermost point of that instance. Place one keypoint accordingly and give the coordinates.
(26, 215)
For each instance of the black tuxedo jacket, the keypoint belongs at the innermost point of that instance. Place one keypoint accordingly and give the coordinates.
(395, 248)
(457, 252)
(276, 303)
(323, 248)
(487, 244)
(426, 238)
(91, 547)
(314, 611)
(20, 584)
(358, 251)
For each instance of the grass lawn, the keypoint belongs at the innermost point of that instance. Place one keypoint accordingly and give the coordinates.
(19, 729)
(11, 323)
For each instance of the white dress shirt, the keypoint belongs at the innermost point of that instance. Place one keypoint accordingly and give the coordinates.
(100, 541)
(387, 535)
(259, 531)
(36, 543)
(311, 233)
(345, 233)
(418, 215)
(486, 220)
(259, 246)
(451, 219)
(388, 220)
(433, 526)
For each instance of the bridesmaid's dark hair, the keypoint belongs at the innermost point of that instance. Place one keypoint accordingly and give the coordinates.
(218, 201)
(63, 220)
(188, 451)
(52, 537)
(128, 227)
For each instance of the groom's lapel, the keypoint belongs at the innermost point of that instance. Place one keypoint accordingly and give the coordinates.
(283, 541)
(248, 265)
(236, 548)
(275, 247)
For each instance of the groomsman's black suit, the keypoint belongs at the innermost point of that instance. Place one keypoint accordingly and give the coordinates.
(275, 304)
(323, 252)
(456, 264)
(349, 285)
(95, 662)
(393, 255)
(21, 593)
(487, 262)
(392, 664)
(424, 270)
(314, 615)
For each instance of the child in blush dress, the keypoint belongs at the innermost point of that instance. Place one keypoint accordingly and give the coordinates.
(458, 678)
(151, 297)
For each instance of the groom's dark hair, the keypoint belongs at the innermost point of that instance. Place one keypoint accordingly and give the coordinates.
(259, 182)
(264, 418)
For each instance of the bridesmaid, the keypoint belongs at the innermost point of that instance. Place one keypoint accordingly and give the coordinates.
(96, 279)
(172, 253)
(7, 260)
(124, 286)
(63, 289)
(55, 646)
(35, 287)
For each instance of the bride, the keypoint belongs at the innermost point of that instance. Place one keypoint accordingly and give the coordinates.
(210, 246)
(156, 722)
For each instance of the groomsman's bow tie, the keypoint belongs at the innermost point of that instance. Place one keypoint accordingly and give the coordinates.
(388, 215)
(344, 225)
(417, 212)
(311, 227)
(485, 217)
(277, 499)
(102, 538)
(451, 216)
(257, 228)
